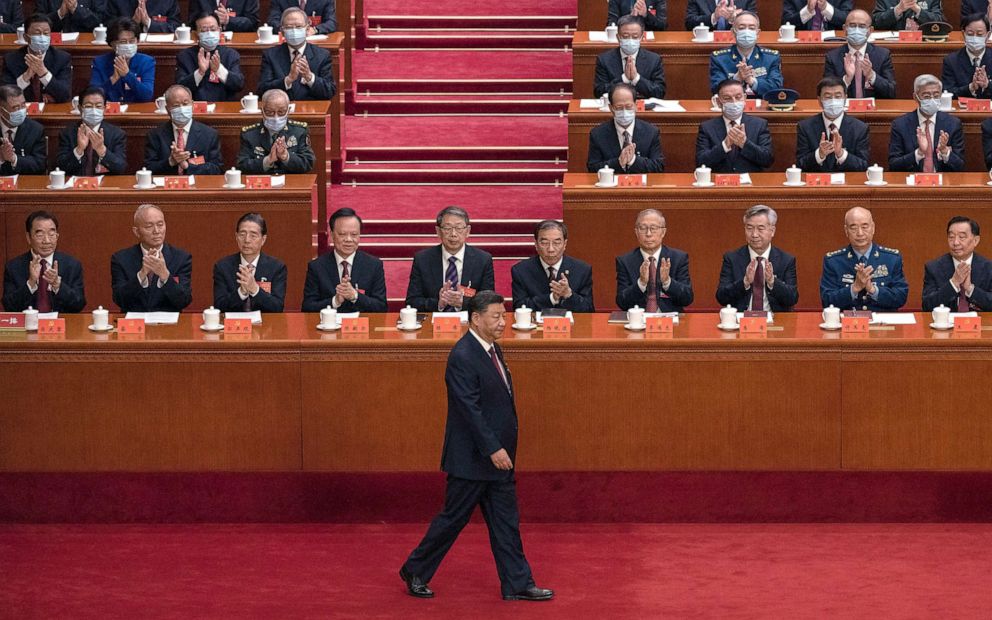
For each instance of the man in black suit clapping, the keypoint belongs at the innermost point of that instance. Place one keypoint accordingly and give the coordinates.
(250, 280)
(345, 279)
(962, 278)
(43, 277)
(551, 279)
(757, 276)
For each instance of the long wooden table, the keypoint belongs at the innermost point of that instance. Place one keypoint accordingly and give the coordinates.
(679, 130)
(706, 222)
(93, 224)
(176, 399)
(687, 64)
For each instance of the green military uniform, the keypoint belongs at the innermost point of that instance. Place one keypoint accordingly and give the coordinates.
(256, 144)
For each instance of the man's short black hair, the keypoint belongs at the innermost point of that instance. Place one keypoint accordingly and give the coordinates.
(626, 20)
(40, 215)
(481, 301)
(971, 18)
(38, 18)
(205, 15)
(828, 82)
(548, 224)
(92, 90)
(252, 217)
(728, 82)
(622, 86)
(344, 212)
(959, 219)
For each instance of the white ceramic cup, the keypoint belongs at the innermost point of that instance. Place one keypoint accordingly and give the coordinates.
(831, 316)
(182, 33)
(611, 33)
(701, 32)
(250, 102)
(787, 32)
(703, 175)
(946, 100)
(265, 32)
(101, 318)
(728, 317)
(232, 178)
(635, 317)
(990, 175)
(874, 173)
(20, 34)
(100, 34)
(328, 317)
(521, 316)
(31, 319)
(56, 178)
(408, 317)
(211, 318)
(941, 315)
(143, 178)
(793, 174)
(160, 104)
(605, 175)
(75, 103)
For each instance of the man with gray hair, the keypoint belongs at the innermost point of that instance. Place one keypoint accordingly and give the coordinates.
(277, 145)
(926, 140)
(182, 146)
(628, 64)
(759, 69)
(653, 276)
(757, 276)
(151, 275)
(300, 69)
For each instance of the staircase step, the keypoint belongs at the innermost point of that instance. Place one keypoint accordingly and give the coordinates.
(454, 66)
(486, 173)
(469, 38)
(454, 131)
(425, 105)
(357, 155)
(455, 20)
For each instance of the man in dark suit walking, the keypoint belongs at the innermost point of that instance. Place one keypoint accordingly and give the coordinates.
(22, 140)
(43, 72)
(926, 140)
(300, 69)
(758, 276)
(734, 142)
(91, 146)
(480, 447)
(43, 278)
(211, 71)
(832, 141)
(250, 280)
(182, 145)
(152, 275)
(653, 276)
(625, 144)
(629, 64)
(965, 73)
(962, 278)
(551, 279)
(345, 279)
(866, 69)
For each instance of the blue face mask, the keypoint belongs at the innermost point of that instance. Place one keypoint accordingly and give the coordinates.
(209, 40)
(295, 36)
(624, 117)
(275, 124)
(630, 46)
(733, 110)
(127, 50)
(975, 45)
(857, 35)
(929, 107)
(40, 43)
(746, 38)
(92, 116)
(17, 117)
(833, 108)
(181, 115)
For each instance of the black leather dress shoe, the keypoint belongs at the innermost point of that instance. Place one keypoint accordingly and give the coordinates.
(532, 593)
(415, 586)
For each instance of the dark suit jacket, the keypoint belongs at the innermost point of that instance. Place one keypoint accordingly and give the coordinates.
(11, 16)
(853, 132)
(987, 142)
(531, 289)
(164, 13)
(173, 296)
(756, 155)
(324, 9)
(937, 287)
(679, 293)
(245, 18)
(115, 161)
(973, 6)
(269, 269)
(186, 66)
(59, 64)
(427, 276)
(609, 71)
(482, 417)
(29, 144)
(902, 143)
(883, 16)
(275, 68)
(656, 20)
(202, 141)
(700, 11)
(604, 149)
(791, 8)
(88, 15)
(781, 298)
(17, 297)
(957, 72)
(884, 86)
(367, 275)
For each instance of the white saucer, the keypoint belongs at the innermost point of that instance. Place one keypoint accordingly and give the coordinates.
(241, 186)
(58, 186)
(258, 111)
(799, 184)
(152, 186)
(261, 42)
(409, 329)
(325, 328)
(989, 183)
(830, 328)
(219, 328)
(523, 328)
(157, 111)
(879, 184)
(728, 329)
(698, 184)
(613, 184)
(942, 327)
(792, 40)
(628, 327)
(695, 40)
(94, 328)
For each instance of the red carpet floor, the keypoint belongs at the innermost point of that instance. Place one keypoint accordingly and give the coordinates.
(599, 571)
(458, 7)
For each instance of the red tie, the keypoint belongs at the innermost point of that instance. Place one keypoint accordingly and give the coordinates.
(858, 88)
(44, 301)
(180, 145)
(36, 88)
(758, 286)
(651, 305)
(344, 269)
(928, 165)
(498, 365)
(963, 305)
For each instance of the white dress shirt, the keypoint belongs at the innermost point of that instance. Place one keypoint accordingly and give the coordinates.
(657, 262)
(957, 262)
(765, 255)
(826, 129)
(557, 266)
(933, 143)
(338, 259)
(143, 281)
(254, 265)
(45, 79)
(623, 67)
(863, 50)
(313, 76)
(54, 289)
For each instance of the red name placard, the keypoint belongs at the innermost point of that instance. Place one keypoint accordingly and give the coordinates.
(355, 326)
(809, 36)
(631, 180)
(7, 184)
(659, 325)
(86, 183)
(51, 326)
(12, 320)
(176, 182)
(130, 326)
(750, 105)
(727, 180)
(237, 326)
(447, 325)
(56, 38)
(860, 105)
(640, 105)
(112, 107)
(754, 325)
(926, 179)
(557, 325)
(200, 107)
(854, 325)
(911, 36)
(34, 108)
(258, 182)
(817, 179)
(968, 324)
(723, 36)
(976, 105)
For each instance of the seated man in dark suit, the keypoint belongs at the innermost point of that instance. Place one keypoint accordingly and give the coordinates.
(629, 64)
(901, 14)
(22, 140)
(233, 15)
(90, 146)
(625, 144)
(182, 145)
(43, 278)
(211, 71)
(151, 15)
(653, 12)
(551, 279)
(970, 7)
(74, 15)
(321, 15)
(653, 276)
(11, 16)
(151, 275)
(716, 14)
(345, 279)
(300, 69)
(444, 275)
(734, 142)
(250, 280)
(277, 145)
(126, 75)
(758, 68)
(926, 140)
(865, 68)
(43, 72)
(966, 72)
(832, 141)
(962, 278)
(816, 14)
(758, 276)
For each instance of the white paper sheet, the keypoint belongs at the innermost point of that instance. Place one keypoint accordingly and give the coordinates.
(462, 316)
(70, 37)
(590, 103)
(771, 317)
(745, 179)
(598, 36)
(255, 316)
(539, 317)
(48, 315)
(153, 37)
(893, 318)
(883, 35)
(665, 105)
(155, 318)
(838, 178)
(278, 181)
(672, 315)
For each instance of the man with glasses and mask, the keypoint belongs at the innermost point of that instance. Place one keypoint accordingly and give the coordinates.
(182, 145)
(151, 275)
(444, 276)
(43, 72)
(90, 146)
(865, 68)
(926, 140)
(300, 69)
(124, 74)
(211, 71)
(346, 278)
(625, 144)
(758, 276)
(551, 279)
(277, 145)
(629, 64)
(653, 276)
(759, 69)
(22, 140)
(43, 278)
(966, 72)
(832, 141)
(250, 280)
(734, 142)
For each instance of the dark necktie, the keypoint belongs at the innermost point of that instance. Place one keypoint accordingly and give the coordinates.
(830, 131)
(10, 136)
(551, 274)
(344, 270)
(89, 162)
(44, 300)
(451, 278)
(758, 286)
(928, 164)
(36, 88)
(626, 139)
(816, 23)
(498, 365)
(651, 304)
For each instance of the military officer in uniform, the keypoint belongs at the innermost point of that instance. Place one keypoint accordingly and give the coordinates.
(277, 145)
(758, 68)
(863, 275)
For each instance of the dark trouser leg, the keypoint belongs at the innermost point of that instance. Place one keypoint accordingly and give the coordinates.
(460, 499)
(499, 507)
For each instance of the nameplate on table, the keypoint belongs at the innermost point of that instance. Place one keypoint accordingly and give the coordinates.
(723, 36)
(8, 183)
(557, 325)
(817, 179)
(12, 321)
(200, 107)
(928, 179)
(639, 105)
(178, 182)
(632, 180)
(727, 180)
(754, 324)
(112, 107)
(86, 183)
(51, 326)
(968, 324)
(750, 105)
(854, 324)
(446, 324)
(35, 107)
(659, 325)
(911, 36)
(358, 325)
(975, 105)
(258, 182)
(130, 326)
(239, 326)
(861, 105)
(810, 36)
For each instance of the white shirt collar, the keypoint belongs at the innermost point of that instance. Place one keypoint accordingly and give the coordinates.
(765, 255)
(145, 251)
(253, 263)
(966, 261)
(459, 255)
(657, 254)
(922, 119)
(302, 49)
(861, 50)
(185, 128)
(485, 345)
(338, 258)
(48, 258)
(4, 129)
(629, 128)
(557, 265)
(973, 58)
(836, 121)
(624, 57)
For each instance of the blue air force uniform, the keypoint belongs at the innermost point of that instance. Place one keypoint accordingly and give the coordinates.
(767, 68)
(839, 272)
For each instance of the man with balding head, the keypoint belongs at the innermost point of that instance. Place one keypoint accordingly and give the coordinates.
(863, 275)
(653, 276)
(277, 145)
(865, 67)
(151, 275)
(183, 146)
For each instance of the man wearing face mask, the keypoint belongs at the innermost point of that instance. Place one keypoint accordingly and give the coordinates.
(759, 69)
(151, 15)
(73, 15)
(832, 141)
(125, 75)
(182, 145)
(211, 71)
(926, 140)
(905, 14)
(300, 69)
(92, 147)
(625, 144)
(817, 15)
(629, 64)
(22, 140)
(277, 145)
(11, 16)
(44, 73)
(734, 142)
(233, 15)
(966, 71)
(865, 68)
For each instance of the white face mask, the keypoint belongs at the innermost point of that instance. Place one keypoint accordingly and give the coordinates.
(624, 118)
(746, 38)
(832, 108)
(733, 110)
(929, 107)
(975, 45)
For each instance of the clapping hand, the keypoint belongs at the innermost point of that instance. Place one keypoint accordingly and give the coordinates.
(178, 158)
(862, 278)
(943, 150)
(246, 280)
(628, 155)
(560, 287)
(345, 291)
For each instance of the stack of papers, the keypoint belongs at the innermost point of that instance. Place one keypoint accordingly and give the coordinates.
(150, 37)
(70, 37)
(462, 316)
(539, 318)
(598, 36)
(745, 179)
(893, 318)
(255, 316)
(665, 105)
(155, 318)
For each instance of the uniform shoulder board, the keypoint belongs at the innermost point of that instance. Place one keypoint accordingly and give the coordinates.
(725, 50)
(298, 123)
(769, 51)
(250, 127)
(889, 250)
(837, 252)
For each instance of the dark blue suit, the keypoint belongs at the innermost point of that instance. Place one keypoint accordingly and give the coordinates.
(766, 62)
(29, 146)
(427, 276)
(783, 295)
(987, 142)
(679, 293)
(650, 68)
(58, 63)
(113, 162)
(187, 64)
(11, 16)
(903, 144)
(88, 15)
(17, 296)
(202, 141)
(937, 287)
(367, 275)
(754, 157)
(173, 296)
(275, 68)
(245, 18)
(883, 16)
(854, 134)
(531, 288)
(791, 8)
(839, 274)
(957, 72)
(974, 6)
(656, 19)
(604, 149)
(324, 9)
(163, 13)
(269, 269)
(700, 11)
(884, 86)
(138, 86)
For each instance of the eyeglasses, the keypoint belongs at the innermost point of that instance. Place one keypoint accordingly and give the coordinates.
(644, 230)
(758, 229)
(41, 235)
(557, 243)
(453, 229)
(245, 234)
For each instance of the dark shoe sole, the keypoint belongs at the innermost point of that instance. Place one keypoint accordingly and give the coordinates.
(406, 580)
(514, 597)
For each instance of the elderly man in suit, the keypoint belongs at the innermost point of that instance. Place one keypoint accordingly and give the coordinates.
(300, 69)
(91, 146)
(182, 145)
(151, 275)
(817, 15)
(551, 279)
(965, 73)
(926, 140)
(250, 280)
(653, 276)
(832, 141)
(321, 15)
(43, 278)
(905, 14)
(716, 14)
(625, 144)
(74, 15)
(629, 64)
(962, 278)
(758, 276)
(22, 140)
(865, 68)
(345, 279)
(43, 72)
(211, 71)
(653, 12)
(233, 15)
(734, 142)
